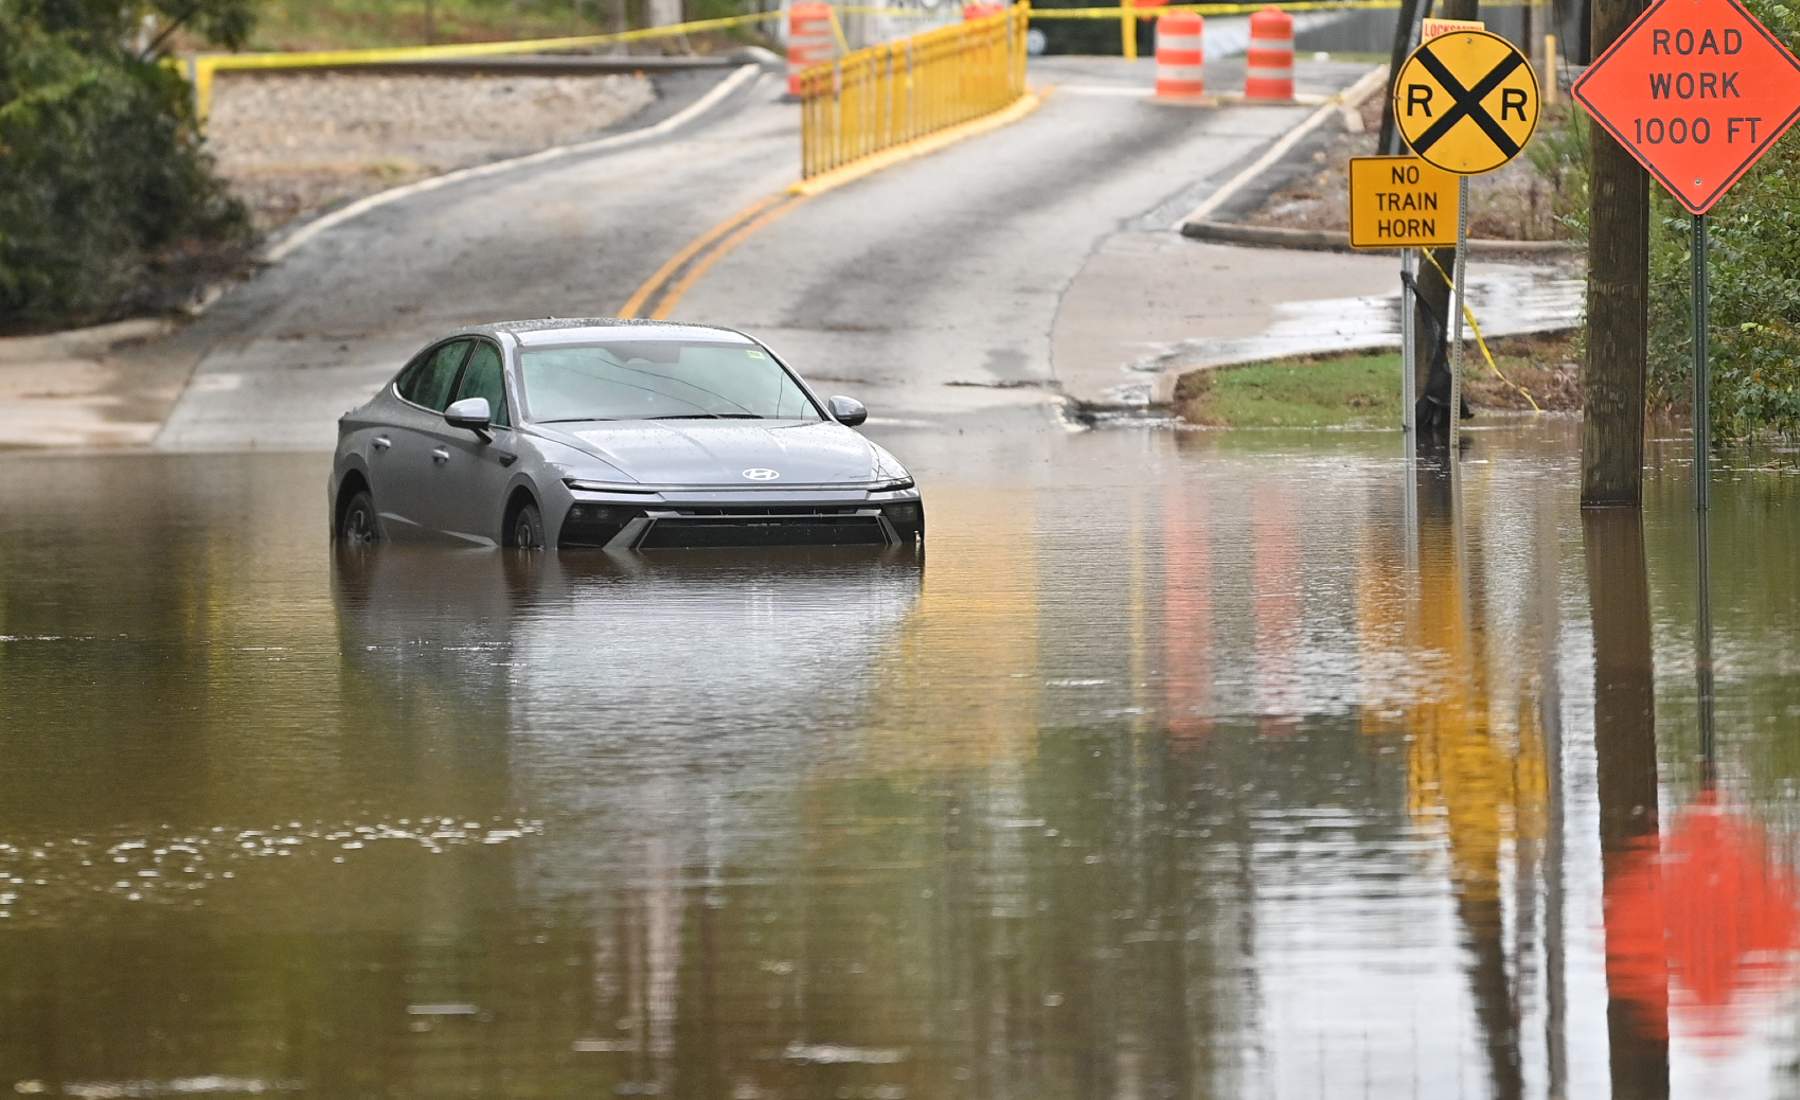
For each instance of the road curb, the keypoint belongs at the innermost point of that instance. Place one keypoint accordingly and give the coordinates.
(78, 342)
(292, 242)
(1333, 240)
(1364, 87)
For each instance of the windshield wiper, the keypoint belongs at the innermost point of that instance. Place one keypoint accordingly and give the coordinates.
(709, 416)
(574, 419)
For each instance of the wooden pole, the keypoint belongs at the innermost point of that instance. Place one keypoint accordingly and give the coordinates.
(1618, 303)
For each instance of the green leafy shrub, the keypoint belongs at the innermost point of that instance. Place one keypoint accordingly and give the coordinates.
(105, 188)
(1754, 254)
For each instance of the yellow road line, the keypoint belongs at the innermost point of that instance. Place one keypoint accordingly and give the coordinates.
(673, 296)
(700, 255)
(634, 305)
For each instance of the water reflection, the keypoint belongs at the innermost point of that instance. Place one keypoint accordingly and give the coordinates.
(1702, 916)
(1185, 766)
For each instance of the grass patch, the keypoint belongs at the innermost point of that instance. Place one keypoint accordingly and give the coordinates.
(1294, 393)
(1363, 390)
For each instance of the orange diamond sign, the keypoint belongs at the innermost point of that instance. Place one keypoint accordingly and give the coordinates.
(1696, 90)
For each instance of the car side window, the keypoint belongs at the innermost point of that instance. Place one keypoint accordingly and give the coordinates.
(430, 383)
(483, 378)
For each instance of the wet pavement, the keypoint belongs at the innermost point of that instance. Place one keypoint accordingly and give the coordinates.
(1184, 765)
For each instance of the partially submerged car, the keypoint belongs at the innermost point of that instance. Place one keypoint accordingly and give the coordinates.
(626, 435)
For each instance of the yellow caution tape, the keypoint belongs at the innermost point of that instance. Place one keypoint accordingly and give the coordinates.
(837, 29)
(1243, 9)
(1469, 315)
(201, 67)
(318, 58)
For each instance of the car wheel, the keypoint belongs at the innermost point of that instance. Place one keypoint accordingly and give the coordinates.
(359, 525)
(527, 528)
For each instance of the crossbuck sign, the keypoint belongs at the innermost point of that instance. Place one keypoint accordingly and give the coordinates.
(1467, 101)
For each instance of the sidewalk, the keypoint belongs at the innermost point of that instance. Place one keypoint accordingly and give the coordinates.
(1149, 306)
(75, 389)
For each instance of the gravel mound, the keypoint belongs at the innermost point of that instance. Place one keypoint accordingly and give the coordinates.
(293, 143)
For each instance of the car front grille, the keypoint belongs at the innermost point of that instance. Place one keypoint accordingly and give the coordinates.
(735, 526)
(786, 511)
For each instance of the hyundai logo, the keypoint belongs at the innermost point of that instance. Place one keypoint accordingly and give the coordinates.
(758, 473)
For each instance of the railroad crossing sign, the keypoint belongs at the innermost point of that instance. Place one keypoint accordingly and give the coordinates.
(1466, 101)
(1696, 90)
(1401, 202)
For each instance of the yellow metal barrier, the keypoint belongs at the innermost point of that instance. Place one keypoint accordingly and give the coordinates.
(201, 68)
(890, 94)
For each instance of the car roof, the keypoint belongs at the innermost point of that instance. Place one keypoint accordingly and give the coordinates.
(581, 330)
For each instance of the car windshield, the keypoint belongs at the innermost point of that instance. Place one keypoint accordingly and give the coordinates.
(660, 380)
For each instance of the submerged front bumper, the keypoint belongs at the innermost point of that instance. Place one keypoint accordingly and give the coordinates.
(668, 518)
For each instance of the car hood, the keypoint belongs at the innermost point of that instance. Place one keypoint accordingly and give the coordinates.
(718, 452)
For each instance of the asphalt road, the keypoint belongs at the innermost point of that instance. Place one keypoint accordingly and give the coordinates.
(932, 289)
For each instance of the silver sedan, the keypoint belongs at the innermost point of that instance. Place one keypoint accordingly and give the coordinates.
(617, 434)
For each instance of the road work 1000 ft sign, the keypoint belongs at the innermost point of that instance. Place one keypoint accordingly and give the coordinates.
(1401, 202)
(1696, 90)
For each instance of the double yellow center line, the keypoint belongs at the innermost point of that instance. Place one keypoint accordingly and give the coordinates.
(658, 296)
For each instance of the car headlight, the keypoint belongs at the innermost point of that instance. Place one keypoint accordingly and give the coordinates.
(605, 487)
(893, 486)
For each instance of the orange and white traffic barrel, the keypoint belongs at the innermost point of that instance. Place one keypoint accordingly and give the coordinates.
(972, 12)
(1180, 56)
(810, 40)
(1270, 76)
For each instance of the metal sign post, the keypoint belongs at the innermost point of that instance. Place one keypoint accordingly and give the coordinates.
(1408, 354)
(1466, 102)
(1458, 281)
(1702, 412)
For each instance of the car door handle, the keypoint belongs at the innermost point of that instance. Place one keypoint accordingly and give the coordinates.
(441, 455)
(382, 442)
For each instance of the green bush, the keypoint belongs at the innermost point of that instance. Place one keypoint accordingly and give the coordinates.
(105, 189)
(1755, 290)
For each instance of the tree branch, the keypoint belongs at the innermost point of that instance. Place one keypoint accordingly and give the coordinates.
(175, 24)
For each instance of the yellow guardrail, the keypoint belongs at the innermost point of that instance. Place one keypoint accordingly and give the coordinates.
(202, 68)
(887, 95)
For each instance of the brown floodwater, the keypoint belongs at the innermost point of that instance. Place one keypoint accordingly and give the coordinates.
(1184, 765)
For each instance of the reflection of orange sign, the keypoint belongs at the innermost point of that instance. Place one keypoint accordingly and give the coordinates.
(1707, 916)
(1187, 612)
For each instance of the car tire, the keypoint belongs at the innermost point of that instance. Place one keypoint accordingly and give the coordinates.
(358, 524)
(527, 529)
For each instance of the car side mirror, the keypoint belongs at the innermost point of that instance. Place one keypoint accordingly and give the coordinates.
(473, 413)
(847, 411)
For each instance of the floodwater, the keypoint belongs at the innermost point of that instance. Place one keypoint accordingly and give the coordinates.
(1186, 765)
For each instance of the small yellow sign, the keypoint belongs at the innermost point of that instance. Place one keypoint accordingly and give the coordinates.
(1431, 28)
(1466, 101)
(1401, 202)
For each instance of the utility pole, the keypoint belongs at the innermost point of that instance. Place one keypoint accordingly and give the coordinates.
(1618, 302)
(1410, 11)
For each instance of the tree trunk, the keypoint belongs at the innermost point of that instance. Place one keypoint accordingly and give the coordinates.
(1618, 303)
